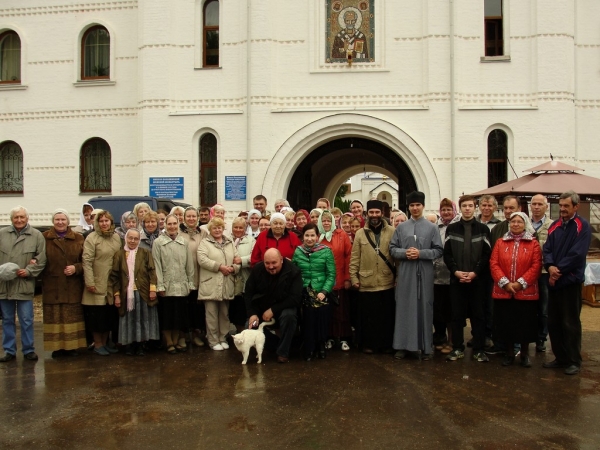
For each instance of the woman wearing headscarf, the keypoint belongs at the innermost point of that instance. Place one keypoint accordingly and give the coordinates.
(149, 231)
(318, 278)
(128, 221)
(193, 234)
(219, 263)
(516, 265)
(442, 312)
(174, 266)
(254, 216)
(339, 243)
(301, 219)
(244, 243)
(98, 251)
(358, 209)
(133, 281)
(276, 237)
(86, 222)
(62, 288)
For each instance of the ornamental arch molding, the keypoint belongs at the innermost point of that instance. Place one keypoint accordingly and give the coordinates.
(319, 133)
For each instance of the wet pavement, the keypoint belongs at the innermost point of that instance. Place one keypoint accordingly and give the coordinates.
(206, 399)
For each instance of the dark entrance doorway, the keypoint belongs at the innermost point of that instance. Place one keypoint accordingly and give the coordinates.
(316, 171)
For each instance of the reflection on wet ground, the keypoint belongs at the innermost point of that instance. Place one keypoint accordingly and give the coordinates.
(207, 399)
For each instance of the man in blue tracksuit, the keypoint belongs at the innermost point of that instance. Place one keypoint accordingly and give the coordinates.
(564, 258)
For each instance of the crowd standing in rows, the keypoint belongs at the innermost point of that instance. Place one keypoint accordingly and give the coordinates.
(369, 278)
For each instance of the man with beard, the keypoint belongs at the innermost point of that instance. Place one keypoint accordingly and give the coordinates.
(372, 273)
(416, 243)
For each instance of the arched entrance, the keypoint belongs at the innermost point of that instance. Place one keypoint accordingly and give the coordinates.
(322, 172)
(327, 146)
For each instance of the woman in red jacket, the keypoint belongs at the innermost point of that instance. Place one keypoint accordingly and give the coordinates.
(516, 264)
(339, 243)
(276, 237)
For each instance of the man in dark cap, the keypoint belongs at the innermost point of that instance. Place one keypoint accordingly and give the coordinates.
(416, 243)
(372, 272)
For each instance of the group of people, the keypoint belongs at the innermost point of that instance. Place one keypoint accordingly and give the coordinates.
(370, 278)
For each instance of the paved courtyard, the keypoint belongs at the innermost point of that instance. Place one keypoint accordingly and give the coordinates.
(206, 399)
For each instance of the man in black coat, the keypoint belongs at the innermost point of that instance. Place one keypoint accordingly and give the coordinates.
(274, 289)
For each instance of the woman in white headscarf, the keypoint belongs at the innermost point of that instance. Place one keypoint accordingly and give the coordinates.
(254, 216)
(339, 243)
(86, 221)
(62, 288)
(133, 279)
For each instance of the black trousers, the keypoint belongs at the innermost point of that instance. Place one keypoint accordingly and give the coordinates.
(467, 300)
(564, 324)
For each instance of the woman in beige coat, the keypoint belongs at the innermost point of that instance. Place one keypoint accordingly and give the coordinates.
(174, 265)
(98, 251)
(219, 262)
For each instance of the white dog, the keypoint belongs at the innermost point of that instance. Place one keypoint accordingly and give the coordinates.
(247, 339)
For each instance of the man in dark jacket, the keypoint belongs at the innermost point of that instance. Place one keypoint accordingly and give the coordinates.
(274, 289)
(565, 251)
(467, 254)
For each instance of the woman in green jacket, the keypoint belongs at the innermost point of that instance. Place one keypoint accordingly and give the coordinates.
(318, 277)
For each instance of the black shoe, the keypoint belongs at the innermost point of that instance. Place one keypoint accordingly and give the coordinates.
(129, 350)
(140, 351)
(540, 347)
(309, 357)
(321, 354)
(7, 357)
(508, 361)
(554, 365)
(525, 362)
(572, 370)
(58, 353)
(493, 350)
(31, 356)
(71, 353)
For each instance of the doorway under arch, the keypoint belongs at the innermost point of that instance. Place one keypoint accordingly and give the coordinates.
(325, 168)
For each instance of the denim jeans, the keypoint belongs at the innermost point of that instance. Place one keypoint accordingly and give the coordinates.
(24, 310)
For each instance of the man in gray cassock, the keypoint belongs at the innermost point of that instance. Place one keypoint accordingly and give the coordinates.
(416, 243)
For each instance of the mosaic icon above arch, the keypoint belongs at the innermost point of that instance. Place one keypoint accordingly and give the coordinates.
(350, 31)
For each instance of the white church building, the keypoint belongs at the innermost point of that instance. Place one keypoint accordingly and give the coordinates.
(226, 99)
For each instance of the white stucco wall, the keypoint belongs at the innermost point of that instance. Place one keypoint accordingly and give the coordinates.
(273, 100)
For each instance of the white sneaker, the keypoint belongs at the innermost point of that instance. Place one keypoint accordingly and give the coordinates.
(344, 346)
(217, 347)
(225, 345)
(329, 344)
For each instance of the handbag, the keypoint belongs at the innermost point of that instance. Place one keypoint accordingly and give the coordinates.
(310, 300)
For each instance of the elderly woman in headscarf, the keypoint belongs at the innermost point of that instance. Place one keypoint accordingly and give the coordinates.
(62, 288)
(254, 216)
(516, 265)
(442, 312)
(339, 243)
(128, 221)
(86, 221)
(134, 289)
(98, 251)
(174, 266)
(193, 234)
(315, 214)
(276, 237)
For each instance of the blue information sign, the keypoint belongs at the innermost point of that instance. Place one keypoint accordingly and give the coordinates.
(168, 187)
(235, 187)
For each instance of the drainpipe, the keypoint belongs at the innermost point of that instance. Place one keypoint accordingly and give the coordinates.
(575, 84)
(452, 106)
(248, 83)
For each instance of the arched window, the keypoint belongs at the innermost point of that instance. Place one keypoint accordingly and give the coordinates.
(95, 173)
(497, 157)
(10, 57)
(95, 54)
(11, 168)
(208, 170)
(210, 34)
